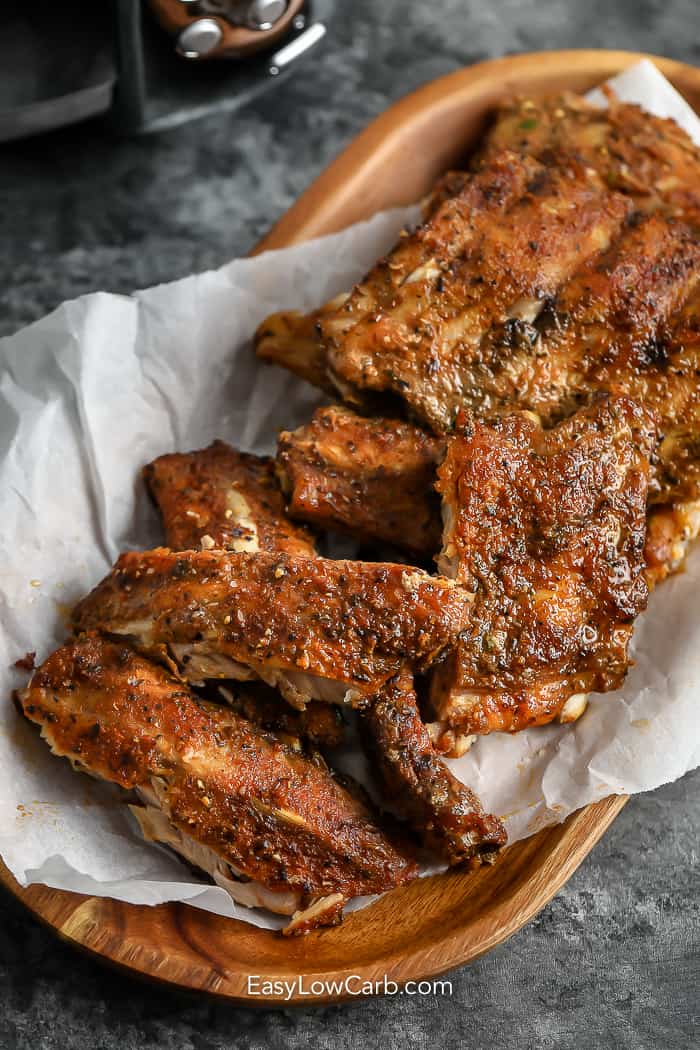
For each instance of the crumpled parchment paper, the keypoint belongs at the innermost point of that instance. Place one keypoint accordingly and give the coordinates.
(105, 383)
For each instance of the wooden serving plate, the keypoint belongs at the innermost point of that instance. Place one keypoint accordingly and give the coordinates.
(431, 925)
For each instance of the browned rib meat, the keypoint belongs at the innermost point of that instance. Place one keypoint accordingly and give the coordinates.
(372, 478)
(292, 339)
(499, 247)
(447, 814)
(270, 825)
(627, 323)
(234, 499)
(219, 497)
(670, 531)
(647, 157)
(620, 325)
(317, 629)
(321, 725)
(602, 329)
(412, 329)
(546, 529)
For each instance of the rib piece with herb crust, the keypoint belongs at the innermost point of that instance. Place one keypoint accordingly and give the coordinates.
(318, 725)
(447, 814)
(219, 497)
(268, 824)
(372, 478)
(411, 329)
(607, 328)
(546, 529)
(315, 628)
(650, 158)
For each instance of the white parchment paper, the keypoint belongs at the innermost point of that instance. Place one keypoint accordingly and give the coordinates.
(105, 383)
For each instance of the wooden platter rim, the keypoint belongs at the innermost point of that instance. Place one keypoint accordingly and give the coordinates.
(329, 204)
(312, 213)
(585, 827)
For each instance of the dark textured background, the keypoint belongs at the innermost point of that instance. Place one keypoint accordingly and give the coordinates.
(613, 961)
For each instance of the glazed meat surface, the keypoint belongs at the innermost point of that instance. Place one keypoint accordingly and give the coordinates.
(292, 339)
(317, 629)
(371, 478)
(238, 505)
(410, 331)
(446, 813)
(608, 326)
(230, 798)
(546, 529)
(320, 725)
(219, 497)
(650, 158)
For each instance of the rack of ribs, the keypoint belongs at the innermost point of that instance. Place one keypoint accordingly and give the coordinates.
(434, 798)
(546, 529)
(270, 825)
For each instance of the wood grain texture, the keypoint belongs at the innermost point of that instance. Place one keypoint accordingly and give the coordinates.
(417, 931)
(432, 925)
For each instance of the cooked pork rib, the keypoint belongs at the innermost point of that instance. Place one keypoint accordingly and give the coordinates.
(627, 322)
(546, 529)
(292, 339)
(229, 499)
(495, 251)
(317, 629)
(219, 497)
(269, 825)
(372, 478)
(449, 815)
(650, 158)
(605, 327)
(320, 725)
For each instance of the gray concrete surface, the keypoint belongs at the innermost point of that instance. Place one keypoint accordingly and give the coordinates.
(613, 961)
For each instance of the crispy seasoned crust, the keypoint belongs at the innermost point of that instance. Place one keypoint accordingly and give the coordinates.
(446, 813)
(495, 251)
(219, 497)
(604, 327)
(273, 814)
(234, 499)
(650, 158)
(321, 725)
(292, 339)
(307, 621)
(493, 246)
(371, 478)
(546, 528)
